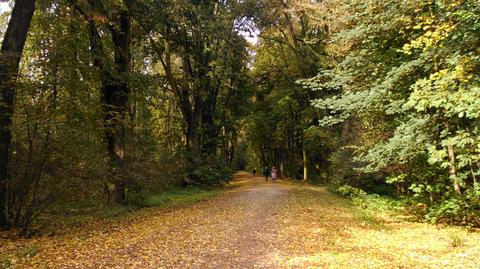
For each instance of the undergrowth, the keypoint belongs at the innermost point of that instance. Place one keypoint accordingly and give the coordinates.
(452, 211)
(68, 218)
(372, 209)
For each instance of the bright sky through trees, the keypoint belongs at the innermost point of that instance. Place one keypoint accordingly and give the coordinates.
(4, 7)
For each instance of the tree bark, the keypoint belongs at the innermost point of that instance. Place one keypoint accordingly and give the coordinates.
(472, 172)
(115, 101)
(305, 164)
(115, 93)
(10, 55)
(453, 169)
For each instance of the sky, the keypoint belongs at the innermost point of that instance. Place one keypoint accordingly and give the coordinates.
(4, 6)
(250, 37)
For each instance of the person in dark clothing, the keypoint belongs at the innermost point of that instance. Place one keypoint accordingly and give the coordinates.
(254, 172)
(266, 172)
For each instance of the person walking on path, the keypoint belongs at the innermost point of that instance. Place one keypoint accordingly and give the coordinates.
(266, 173)
(254, 172)
(274, 173)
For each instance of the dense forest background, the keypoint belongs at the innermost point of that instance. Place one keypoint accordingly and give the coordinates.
(105, 102)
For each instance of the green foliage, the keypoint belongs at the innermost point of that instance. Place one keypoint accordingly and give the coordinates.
(347, 190)
(406, 75)
(460, 210)
(353, 93)
(59, 159)
(281, 125)
(210, 171)
(371, 208)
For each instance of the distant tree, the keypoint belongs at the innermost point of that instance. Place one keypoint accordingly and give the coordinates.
(203, 60)
(282, 126)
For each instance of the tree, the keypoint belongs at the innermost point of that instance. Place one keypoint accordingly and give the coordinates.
(408, 78)
(114, 83)
(201, 56)
(11, 53)
(283, 122)
(115, 100)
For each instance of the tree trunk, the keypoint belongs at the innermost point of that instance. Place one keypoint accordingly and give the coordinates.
(10, 55)
(209, 133)
(192, 136)
(282, 169)
(305, 164)
(472, 172)
(115, 101)
(192, 145)
(114, 94)
(453, 169)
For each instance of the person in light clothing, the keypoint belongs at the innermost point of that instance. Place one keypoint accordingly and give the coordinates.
(274, 173)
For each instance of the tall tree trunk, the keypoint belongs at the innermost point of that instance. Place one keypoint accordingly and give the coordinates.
(305, 164)
(453, 169)
(114, 93)
(282, 169)
(191, 133)
(115, 101)
(10, 55)
(210, 130)
(472, 172)
(209, 134)
(192, 143)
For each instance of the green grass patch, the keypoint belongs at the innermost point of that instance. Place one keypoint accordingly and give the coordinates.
(372, 209)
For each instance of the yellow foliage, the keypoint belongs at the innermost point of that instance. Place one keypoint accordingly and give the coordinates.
(433, 35)
(464, 70)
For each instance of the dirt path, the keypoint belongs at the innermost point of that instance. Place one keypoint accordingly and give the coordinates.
(257, 225)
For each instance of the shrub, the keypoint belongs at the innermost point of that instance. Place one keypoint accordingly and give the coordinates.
(457, 238)
(347, 190)
(210, 171)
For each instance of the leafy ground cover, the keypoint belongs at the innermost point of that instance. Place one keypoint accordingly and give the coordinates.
(253, 224)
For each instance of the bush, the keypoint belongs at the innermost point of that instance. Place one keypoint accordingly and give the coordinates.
(462, 210)
(153, 172)
(210, 171)
(448, 208)
(347, 190)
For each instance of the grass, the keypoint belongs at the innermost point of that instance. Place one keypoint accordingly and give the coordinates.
(457, 237)
(378, 234)
(372, 209)
(170, 198)
(28, 251)
(381, 212)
